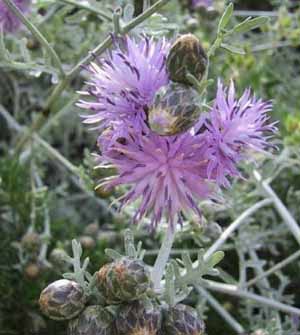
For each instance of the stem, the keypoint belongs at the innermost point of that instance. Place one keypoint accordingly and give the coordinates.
(221, 310)
(273, 45)
(234, 225)
(162, 258)
(37, 34)
(233, 290)
(93, 10)
(282, 210)
(66, 80)
(217, 43)
(60, 158)
(247, 13)
(273, 269)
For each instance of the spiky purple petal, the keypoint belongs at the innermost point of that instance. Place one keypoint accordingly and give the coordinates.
(123, 85)
(167, 174)
(234, 126)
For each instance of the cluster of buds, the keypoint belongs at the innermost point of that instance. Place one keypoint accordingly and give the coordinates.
(129, 306)
(30, 246)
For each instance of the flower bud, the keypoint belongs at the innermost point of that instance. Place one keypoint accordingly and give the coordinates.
(58, 257)
(183, 320)
(186, 56)
(91, 229)
(139, 317)
(174, 110)
(31, 242)
(87, 242)
(123, 280)
(94, 320)
(62, 300)
(32, 271)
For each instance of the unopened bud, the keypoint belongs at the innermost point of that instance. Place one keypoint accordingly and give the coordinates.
(186, 56)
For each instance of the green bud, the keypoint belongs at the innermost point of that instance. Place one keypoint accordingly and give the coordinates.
(186, 56)
(123, 280)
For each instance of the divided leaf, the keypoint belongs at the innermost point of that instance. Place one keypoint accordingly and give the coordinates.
(182, 274)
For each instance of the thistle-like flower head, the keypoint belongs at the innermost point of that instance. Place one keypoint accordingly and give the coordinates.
(166, 173)
(122, 86)
(8, 21)
(234, 128)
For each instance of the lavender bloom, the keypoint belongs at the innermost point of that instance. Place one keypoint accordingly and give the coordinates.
(202, 3)
(167, 174)
(123, 85)
(8, 21)
(233, 127)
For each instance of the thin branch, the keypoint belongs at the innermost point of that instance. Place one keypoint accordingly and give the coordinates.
(281, 208)
(247, 13)
(37, 34)
(221, 310)
(273, 269)
(54, 153)
(235, 225)
(233, 290)
(272, 45)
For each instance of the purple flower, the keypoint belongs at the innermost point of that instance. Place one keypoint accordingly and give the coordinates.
(8, 21)
(234, 127)
(202, 3)
(167, 174)
(123, 85)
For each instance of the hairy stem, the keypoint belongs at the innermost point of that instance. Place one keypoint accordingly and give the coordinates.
(162, 258)
(37, 34)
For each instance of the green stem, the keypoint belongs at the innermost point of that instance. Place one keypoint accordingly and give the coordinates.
(93, 10)
(60, 158)
(217, 43)
(233, 290)
(77, 68)
(162, 258)
(37, 34)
